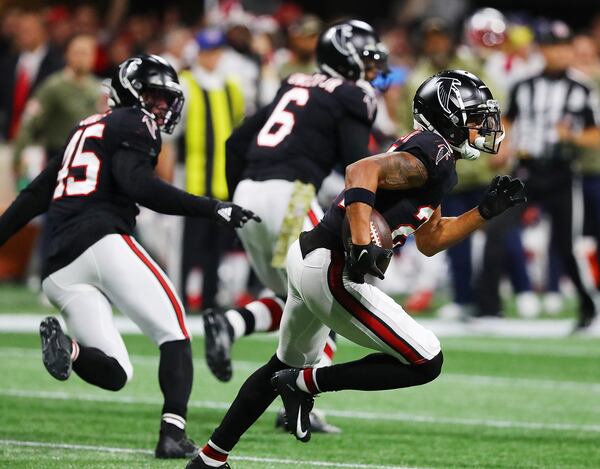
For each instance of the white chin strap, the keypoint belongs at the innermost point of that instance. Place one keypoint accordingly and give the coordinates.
(467, 152)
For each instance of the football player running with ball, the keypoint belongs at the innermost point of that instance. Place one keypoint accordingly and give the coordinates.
(455, 117)
(91, 197)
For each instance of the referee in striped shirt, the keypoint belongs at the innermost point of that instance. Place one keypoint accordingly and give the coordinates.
(550, 116)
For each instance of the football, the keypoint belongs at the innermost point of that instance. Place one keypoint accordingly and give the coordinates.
(381, 235)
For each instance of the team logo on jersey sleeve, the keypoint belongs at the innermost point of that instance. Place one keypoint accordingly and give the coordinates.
(151, 124)
(443, 153)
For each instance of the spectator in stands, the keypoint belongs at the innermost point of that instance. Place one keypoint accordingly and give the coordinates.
(62, 100)
(302, 38)
(24, 70)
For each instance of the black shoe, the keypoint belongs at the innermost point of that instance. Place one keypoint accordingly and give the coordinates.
(56, 349)
(218, 339)
(584, 321)
(297, 403)
(198, 463)
(173, 443)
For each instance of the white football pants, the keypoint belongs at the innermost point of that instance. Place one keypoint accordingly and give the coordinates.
(321, 297)
(270, 201)
(116, 270)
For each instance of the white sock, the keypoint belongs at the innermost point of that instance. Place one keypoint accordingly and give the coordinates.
(237, 323)
(174, 419)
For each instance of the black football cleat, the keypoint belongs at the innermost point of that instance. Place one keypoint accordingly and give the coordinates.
(198, 463)
(56, 349)
(174, 444)
(297, 403)
(318, 423)
(218, 339)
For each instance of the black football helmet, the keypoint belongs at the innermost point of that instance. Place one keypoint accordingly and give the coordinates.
(347, 49)
(140, 79)
(452, 104)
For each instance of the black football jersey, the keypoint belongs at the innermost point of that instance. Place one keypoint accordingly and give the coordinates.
(406, 210)
(304, 135)
(87, 204)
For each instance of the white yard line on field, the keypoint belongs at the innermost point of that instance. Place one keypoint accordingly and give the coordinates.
(111, 449)
(549, 328)
(240, 365)
(356, 414)
(460, 378)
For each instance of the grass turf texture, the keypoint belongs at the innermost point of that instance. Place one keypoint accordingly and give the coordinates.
(507, 403)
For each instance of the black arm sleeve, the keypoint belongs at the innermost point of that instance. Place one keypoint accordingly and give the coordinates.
(237, 146)
(31, 202)
(353, 140)
(134, 174)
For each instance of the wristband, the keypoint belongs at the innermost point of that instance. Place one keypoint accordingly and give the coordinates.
(359, 194)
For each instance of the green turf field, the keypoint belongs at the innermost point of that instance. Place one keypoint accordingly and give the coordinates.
(509, 403)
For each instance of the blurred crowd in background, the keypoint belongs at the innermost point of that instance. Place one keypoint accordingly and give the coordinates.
(53, 61)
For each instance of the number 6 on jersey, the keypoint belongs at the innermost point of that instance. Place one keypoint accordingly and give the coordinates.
(270, 135)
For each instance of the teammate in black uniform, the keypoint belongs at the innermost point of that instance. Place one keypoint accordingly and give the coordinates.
(91, 197)
(277, 160)
(455, 116)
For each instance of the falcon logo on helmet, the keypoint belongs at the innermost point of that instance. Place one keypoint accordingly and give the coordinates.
(446, 90)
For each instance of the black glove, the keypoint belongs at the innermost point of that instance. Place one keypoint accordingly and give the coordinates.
(363, 260)
(503, 192)
(230, 214)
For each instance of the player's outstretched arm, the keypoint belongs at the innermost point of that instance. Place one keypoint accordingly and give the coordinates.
(31, 202)
(440, 233)
(394, 171)
(134, 173)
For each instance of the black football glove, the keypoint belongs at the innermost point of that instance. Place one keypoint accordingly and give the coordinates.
(230, 214)
(503, 192)
(363, 259)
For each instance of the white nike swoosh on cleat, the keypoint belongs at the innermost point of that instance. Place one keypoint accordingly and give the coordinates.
(299, 433)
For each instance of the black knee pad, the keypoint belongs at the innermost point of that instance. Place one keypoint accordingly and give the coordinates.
(432, 369)
(119, 377)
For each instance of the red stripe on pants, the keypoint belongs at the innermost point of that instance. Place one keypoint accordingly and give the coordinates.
(366, 317)
(313, 218)
(163, 283)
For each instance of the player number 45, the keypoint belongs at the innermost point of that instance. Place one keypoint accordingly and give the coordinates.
(74, 157)
(280, 123)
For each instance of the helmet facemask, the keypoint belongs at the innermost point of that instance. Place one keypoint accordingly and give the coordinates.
(374, 59)
(484, 130)
(164, 104)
